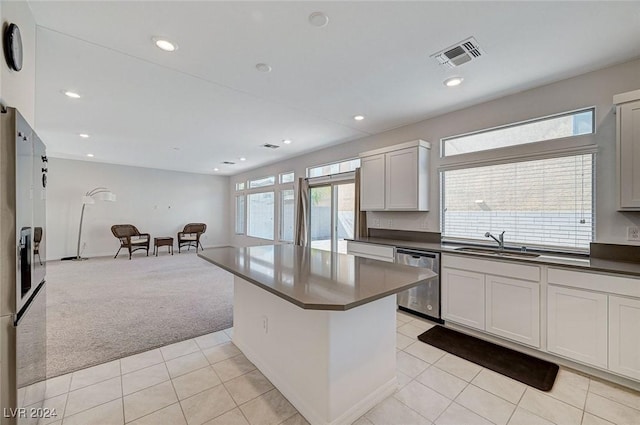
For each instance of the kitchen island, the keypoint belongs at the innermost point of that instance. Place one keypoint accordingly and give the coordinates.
(320, 326)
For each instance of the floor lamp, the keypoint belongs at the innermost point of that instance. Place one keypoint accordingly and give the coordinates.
(99, 193)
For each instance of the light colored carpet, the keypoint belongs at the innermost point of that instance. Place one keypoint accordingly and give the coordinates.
(102, 309)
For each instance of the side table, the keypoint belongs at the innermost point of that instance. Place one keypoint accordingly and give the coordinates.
(163, 241)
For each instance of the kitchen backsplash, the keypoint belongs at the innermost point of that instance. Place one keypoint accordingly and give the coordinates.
(617, 252)
(403, 220)
(405, 235)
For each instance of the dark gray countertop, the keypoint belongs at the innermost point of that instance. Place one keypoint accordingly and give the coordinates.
(315, 279)
(578, 262)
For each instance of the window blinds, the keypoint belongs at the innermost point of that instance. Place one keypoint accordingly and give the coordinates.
(545, 203)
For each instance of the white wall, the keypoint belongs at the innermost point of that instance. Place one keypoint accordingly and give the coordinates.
(158, 202)
(591, 89)
(17, 89)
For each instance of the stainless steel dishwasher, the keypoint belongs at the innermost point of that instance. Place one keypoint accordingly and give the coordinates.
(424, 299)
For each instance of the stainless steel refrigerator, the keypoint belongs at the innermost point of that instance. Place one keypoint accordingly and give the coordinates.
(23, 181)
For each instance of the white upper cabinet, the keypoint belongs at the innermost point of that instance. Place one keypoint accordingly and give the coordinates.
(372, 182)
(628, 149)
(396, 178)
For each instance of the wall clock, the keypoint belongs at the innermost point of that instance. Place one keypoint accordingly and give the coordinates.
(13, 47)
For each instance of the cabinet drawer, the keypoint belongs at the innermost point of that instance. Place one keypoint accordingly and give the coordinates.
(367, 250)
(595, 281)
(499, 268)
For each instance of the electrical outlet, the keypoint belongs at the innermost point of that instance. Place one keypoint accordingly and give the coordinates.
(633, 233)
(376, 222)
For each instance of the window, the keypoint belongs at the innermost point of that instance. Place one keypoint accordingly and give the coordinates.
(240, 211)
(287, 211)
(267, 181)
(545, 203)
(260, 214)
(335, 168)
(240, 186)
(554, 127)
(287, 177)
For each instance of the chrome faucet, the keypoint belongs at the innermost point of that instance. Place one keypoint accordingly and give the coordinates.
(499, 239)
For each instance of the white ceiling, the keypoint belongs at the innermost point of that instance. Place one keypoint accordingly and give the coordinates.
(209, 102)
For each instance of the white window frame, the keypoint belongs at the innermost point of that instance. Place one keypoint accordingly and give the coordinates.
(275, 218)
(249, 187)
(281, 211)
(591, 109)
(244, 214)
(277, 189)
(553, 148)
(286, 173)
(308, 171)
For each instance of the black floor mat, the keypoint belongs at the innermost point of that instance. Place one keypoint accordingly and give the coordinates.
(527, 369)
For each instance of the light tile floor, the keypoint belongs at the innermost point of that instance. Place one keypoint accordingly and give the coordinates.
(207, 380)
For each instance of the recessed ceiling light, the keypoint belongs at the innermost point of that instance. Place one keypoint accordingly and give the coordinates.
(216, 169)
(165, 45)
(358, 117)
(286, 141)
(263, 67)
(243, 159)
(71, 94)
(453, 81)
(84, 135)
(318, 19)
(90, 155)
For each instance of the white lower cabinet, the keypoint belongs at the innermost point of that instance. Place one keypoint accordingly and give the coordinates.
(592, 318)
(513, 309)
(463, 297)
(577, 325)
(624, 336)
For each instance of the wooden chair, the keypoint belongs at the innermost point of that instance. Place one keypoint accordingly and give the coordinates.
(190, 235)
(130, 238)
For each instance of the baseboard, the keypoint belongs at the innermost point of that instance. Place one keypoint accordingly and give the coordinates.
(305, 410)
(122, 253)
(381, 393)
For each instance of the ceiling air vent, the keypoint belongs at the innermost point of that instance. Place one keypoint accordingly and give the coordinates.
(459, 53)
(270, 146)
(228, 162)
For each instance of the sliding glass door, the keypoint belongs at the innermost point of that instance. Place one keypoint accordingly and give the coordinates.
(332, 216)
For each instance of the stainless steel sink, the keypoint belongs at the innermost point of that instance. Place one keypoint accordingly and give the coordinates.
(497, 252)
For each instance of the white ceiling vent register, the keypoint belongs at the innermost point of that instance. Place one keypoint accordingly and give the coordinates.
(459, 53)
